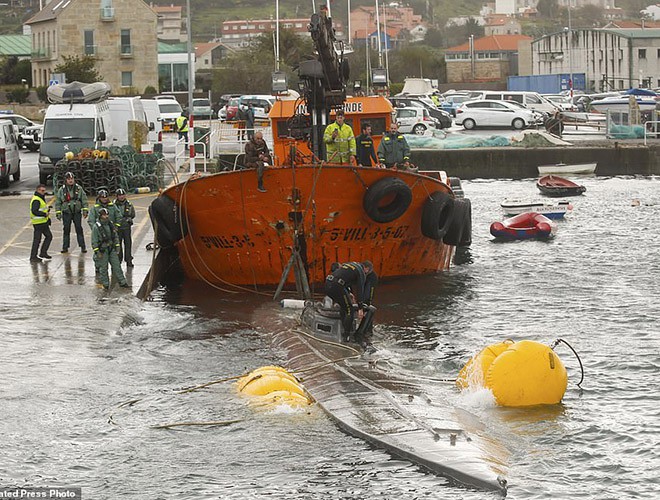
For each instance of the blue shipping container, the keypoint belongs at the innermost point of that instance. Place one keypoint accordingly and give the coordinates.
(547, 84)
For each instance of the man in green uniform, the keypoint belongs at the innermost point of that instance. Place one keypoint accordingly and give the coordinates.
(71, 206)
(105, 243)
(339, 141)
(102, 201)
(393, 150)
(124, 215)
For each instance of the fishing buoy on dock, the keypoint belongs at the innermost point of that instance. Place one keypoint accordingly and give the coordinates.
(521, 373)
(276, 383)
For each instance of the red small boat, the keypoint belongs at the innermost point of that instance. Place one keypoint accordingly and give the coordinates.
(526, 226)
(553, 185)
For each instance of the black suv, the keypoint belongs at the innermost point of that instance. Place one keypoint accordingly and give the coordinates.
(444, 118)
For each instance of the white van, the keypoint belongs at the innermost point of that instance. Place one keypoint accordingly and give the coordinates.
(10, 160)
(123, 110)
(154, 120)
(170, 110)
(531, 100)
(70, 127)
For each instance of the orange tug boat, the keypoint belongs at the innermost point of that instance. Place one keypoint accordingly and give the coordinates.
(227, 233)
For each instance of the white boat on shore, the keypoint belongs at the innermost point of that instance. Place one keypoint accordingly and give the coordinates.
(551, 209)
(567, 168)
(645, 99)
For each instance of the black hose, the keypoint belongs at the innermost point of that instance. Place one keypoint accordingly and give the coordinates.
(556, 342)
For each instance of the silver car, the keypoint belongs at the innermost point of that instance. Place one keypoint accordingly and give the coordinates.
(489, 113)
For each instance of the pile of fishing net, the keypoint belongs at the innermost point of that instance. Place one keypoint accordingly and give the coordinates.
(456, 142)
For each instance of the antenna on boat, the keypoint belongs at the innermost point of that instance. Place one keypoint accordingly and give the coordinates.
(380, 49)
(277, 35)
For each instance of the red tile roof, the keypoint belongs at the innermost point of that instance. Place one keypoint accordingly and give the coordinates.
(203, 48)
(493, 43)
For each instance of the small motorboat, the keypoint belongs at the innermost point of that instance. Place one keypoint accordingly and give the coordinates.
(553, 185)
(644, 98)
(525, 226)
(78, 92)
(551, 209)
(567, 168)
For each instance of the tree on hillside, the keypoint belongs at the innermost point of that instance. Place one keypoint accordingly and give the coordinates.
(587, 16)
(416, 61)
(459, 34)
(548, 8)
(79, 69)
(434, 38)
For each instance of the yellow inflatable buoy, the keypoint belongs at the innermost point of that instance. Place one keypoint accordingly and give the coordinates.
(524, 373)
(270, 379)
(69, 155)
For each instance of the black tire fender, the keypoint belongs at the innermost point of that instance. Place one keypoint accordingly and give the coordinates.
(165, 218)
(385, 189)
(437, 215)
(461, 223)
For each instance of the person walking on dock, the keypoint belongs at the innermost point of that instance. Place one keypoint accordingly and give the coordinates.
(181, 124)
(105, 243)
(71, 206)
(40, 218)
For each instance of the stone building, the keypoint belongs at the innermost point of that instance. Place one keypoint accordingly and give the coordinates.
(487, 59)
(171, 25)
(119, 34)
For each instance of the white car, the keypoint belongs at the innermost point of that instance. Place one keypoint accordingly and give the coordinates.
(488, 113)
(414, 120)
(24, 130)
(564, 102)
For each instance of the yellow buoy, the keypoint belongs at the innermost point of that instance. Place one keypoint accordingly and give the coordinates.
(269, 379)
(474, 371)
(292, 399)
(69, 155)
(524, 373)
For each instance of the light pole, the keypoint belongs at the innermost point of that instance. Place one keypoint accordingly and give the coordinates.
(191, 76)
(568, 47)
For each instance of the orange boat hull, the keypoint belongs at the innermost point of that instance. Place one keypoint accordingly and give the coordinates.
(238, 235)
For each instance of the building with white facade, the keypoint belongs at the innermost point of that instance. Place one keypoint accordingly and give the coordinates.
(612, 59)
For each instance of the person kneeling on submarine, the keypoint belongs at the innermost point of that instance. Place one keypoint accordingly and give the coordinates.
(348, 282)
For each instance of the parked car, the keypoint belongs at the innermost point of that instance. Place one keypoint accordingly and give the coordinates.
(531, 100)
(413, 120)
(489, 113)
(228, 112)
(564, 102)
(443, 118)
(261, 104)
(202, 109)
(452, 102)
(10, 161)
(24, 138)
(154, 120)
(220, 106)
(31, 137)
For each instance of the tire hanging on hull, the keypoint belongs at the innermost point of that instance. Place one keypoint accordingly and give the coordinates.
(394, 192)
(459, 233)
(437, 215)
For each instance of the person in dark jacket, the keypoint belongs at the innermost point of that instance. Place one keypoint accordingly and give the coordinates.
(105, 243)
(393, 150)
(40, 218)
(257, 156)
(249, 121)
(366, 154)
(346, 283)
(124, 215)
(71, 207)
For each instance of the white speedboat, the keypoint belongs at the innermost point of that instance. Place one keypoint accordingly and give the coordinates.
(645, 99)
(551, 209)
(567, 168)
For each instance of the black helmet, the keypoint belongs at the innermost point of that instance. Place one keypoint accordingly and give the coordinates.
(120, 191)
(69, 175)
(104, 211)
(103, 193)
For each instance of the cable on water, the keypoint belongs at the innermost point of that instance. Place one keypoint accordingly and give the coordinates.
(556, 343)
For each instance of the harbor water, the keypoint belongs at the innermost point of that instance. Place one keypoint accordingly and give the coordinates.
(84, 386)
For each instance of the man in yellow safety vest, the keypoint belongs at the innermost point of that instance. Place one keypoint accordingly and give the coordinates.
(40, 218)
(339, 141)
(182, 127)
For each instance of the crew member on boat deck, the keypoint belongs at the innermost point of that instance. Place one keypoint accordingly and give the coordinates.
(347, 278)
(366, 154)
(257, 156)
(339, 141)
(393, 150)
(71, 206)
